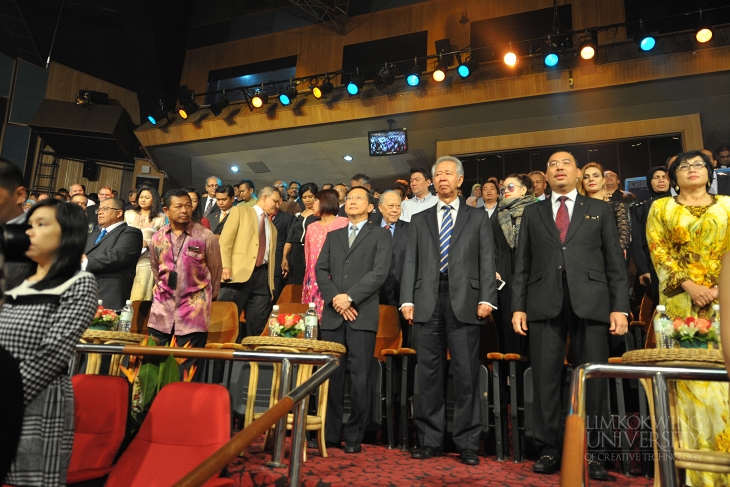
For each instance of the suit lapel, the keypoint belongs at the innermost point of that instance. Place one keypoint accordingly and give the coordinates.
(461, 217)
(97, 232)
(432, 223)
(579, 214)
(399, 231)
(546, 214)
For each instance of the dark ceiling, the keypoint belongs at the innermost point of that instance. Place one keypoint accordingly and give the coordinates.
(136, 44)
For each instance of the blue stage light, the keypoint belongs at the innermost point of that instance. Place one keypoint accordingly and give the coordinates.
(354, 86)
(647, 43)
(551, 59)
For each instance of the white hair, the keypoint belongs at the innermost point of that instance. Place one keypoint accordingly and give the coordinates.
(457, 162)
(382, 195)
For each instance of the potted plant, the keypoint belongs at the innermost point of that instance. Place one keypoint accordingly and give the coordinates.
(104, 319)
(287, 326)
(694, 332)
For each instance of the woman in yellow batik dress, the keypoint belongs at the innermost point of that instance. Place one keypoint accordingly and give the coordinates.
(687, 236)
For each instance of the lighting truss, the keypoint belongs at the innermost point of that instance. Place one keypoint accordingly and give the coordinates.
(330, 12)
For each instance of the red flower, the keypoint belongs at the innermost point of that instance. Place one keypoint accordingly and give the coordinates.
(690, 321)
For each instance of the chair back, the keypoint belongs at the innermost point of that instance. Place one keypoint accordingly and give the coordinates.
(186, 424)
(101, 407)
(389, 334)
(141, 316)
(11, 405)
(223, 322)
(287, 309)
(292, 293)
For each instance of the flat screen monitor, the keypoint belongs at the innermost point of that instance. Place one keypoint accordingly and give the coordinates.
(388, 142)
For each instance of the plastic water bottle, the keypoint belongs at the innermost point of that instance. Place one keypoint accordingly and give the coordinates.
(311, 326)
(126, 317)
(274, 320)
(715, 320)
(663, 328)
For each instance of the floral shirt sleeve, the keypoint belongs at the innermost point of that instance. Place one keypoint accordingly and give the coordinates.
(663, 242)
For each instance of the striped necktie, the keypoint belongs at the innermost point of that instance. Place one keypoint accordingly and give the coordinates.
(101, 235)
(445, 238)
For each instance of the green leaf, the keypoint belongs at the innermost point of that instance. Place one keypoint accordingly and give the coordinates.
(169, 373)
(148, 377)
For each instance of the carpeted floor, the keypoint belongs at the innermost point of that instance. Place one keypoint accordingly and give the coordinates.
(378, 466)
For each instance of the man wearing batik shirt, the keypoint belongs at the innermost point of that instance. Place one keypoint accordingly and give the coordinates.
(186, 265)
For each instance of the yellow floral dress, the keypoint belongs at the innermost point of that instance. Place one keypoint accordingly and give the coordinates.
(688, 243)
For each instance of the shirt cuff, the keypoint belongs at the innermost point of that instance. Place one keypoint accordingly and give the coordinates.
(84, 263)
(490, 304)
(403, 305)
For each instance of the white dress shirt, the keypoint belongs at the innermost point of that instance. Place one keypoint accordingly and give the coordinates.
(491, 210)
(267, 226)
(416, 205)
(383, 223)
(541, 197)
(569, 203)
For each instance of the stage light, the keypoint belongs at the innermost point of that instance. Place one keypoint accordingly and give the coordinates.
(288, 96)
(589, 45)
(324, 89)
(260, 98)
(354, 86)
(439, 74)
(551, 57)
(384, 79)
(157, 116)
(510, 59)
(467, 68)
(220, 105)
(704, 31)
(188, 109)
(645, 40)
(234, 168)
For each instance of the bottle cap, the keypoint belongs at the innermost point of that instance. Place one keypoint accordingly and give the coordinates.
(276, 307)
(100, 302)
(312, 305)
(129, 302)
(716, 307)
(661, 307)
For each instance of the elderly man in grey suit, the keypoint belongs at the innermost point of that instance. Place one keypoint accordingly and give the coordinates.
(352, 266)
(112, 252)
(448, 288)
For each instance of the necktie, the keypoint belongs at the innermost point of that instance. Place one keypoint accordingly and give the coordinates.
(445, 238)
(208, 207)
(387, 227)
(262, 241)
(101, 235)
(353, 233)
(562, 219)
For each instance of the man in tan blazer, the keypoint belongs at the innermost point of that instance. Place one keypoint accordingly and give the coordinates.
(248, 257)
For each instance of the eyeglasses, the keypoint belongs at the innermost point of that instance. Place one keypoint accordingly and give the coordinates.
(694, 165)
(560, 163)
(107, 208)
(214, 185)
(356, 197)
(510, 187)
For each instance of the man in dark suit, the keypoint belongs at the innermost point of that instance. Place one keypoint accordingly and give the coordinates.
(570, 278)
(112, 252)
(283, 222)
(351, 268)
(209, 201)
(448, 288)
(390, 207)
(224, 201)
(294, 204)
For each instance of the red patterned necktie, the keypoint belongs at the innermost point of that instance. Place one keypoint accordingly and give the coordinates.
(262, 241)
(562, 219)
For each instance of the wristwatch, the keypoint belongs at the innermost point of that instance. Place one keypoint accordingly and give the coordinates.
(349, 298)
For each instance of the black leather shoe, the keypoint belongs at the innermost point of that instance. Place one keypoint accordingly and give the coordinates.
(547, 464)
(469, 457)
(596, 471)
(327, 444)
(426, 452)
(353, 448)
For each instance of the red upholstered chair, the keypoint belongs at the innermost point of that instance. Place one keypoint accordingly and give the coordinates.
(101, 407)
(186, 424)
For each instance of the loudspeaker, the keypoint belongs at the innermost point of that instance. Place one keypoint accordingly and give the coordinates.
(91, 171)
(443, 46)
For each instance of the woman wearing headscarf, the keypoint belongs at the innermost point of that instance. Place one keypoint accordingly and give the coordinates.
(476, 196)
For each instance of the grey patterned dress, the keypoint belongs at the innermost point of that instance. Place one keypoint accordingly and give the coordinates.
(40, 329)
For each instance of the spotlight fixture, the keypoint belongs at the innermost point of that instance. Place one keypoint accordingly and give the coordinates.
(704, 31)
(157, 115)
(188, 109)
(413, 77)
(439, 74)
(551, 57)
(88, 97)
(220, 105)
(466, 69)
(510, 59)
(589, 45)
(288, 96)
(186, 101)
(355, 85)
(260, 98)
(348, 158)
(385, 78)
(645, 41)
(323, 89)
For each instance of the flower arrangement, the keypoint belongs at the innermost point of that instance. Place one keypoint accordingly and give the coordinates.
(693, 332)
(104, 319)
(287, 325)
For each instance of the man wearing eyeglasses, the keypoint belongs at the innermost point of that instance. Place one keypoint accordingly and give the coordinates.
(112, 252)
(570, 279)
(612, 188)
(209, 202)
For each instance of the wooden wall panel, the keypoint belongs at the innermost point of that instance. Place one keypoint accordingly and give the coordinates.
(69, 172)
(688, 125)
(139, 163)
(64, 84)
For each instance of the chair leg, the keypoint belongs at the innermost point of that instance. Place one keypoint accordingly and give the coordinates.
(514, 412)
(389, 400)
(497, 408)
(403, 416)
(623, 433)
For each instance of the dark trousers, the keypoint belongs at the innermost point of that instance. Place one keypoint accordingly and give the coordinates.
(589, 343)
(279, 284)
(196, 340)
(441, 332)
(360, 347)
(253, 297)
